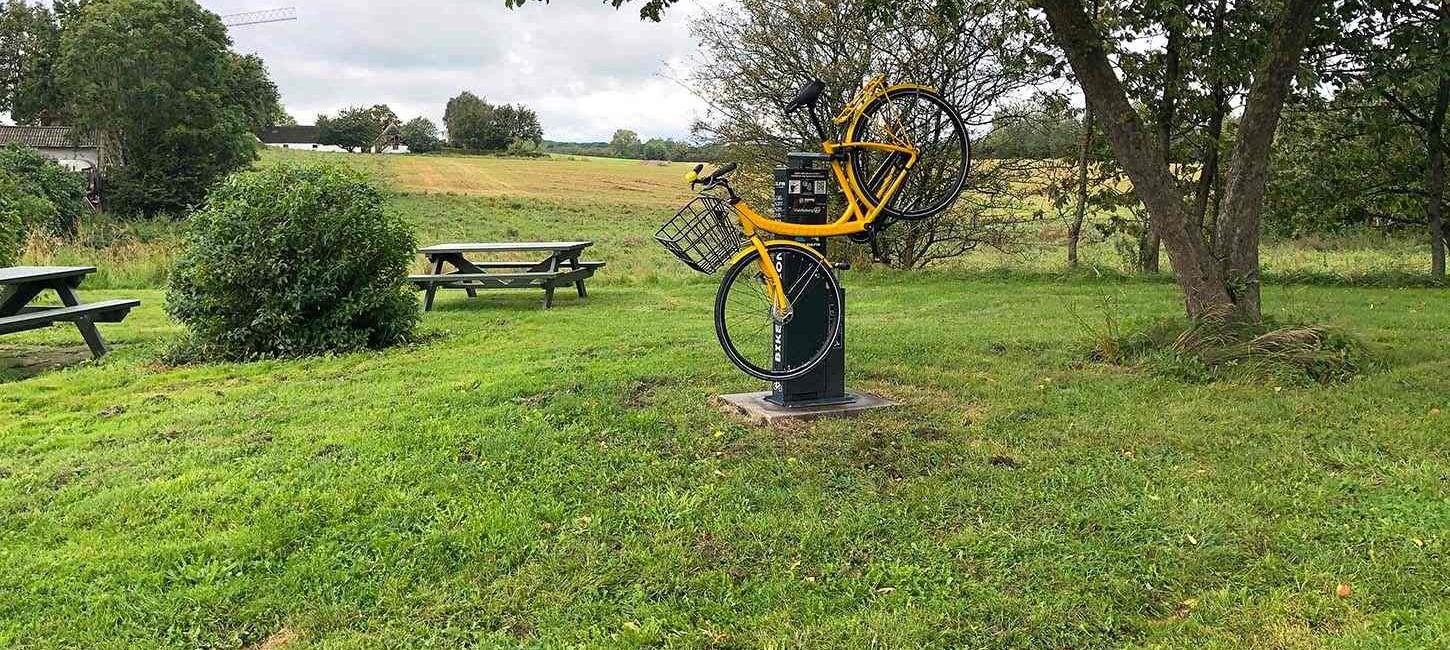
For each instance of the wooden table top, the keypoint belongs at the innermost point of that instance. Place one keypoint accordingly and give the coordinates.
(507, 247)
(28, 274)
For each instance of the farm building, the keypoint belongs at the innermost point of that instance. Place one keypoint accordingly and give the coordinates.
(75, 151)
(305, 137)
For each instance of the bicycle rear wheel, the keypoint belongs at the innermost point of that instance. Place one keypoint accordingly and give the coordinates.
(923, 120)
(748, 327)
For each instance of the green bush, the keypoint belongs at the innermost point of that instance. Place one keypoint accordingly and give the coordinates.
(12, 224)
(293, 260)
(56, 196)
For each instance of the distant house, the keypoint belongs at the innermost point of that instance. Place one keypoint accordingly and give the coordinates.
(305, 138)
(75, 151)
(391, 139)
(295, 137)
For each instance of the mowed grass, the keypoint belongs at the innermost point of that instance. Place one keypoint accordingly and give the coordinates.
(523, 478)
(568, 179)
(620, 203)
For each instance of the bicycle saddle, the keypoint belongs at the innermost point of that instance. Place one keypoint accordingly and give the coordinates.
(806, 96)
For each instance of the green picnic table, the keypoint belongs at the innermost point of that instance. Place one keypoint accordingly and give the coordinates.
(20, 285)
(553, 264)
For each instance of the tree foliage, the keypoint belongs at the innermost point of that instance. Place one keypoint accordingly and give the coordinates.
(254, 92)
(976, 59)
(625, 143)
(1345, 165)
(1392, 76)
(353, 129)
(678, 150)
(153, 75)
(1044, 127)
(56, 197)
(29, 49)
(421, 135)
(476, 125)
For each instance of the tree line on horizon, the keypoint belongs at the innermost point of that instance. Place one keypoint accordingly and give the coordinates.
(627, 144)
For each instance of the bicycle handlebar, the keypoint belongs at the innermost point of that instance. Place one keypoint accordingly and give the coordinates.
(711, 179)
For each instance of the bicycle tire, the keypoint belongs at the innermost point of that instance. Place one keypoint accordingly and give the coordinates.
(941, 168)
(760, 336)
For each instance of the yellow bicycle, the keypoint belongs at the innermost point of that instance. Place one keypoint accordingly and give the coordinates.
(903, 154)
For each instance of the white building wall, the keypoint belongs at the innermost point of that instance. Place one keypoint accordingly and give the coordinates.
(89, 155)
(326, 148)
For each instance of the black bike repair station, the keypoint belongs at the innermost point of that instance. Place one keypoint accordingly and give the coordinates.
(801, 193)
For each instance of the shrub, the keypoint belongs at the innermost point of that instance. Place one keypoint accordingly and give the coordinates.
(57, 196)
(293, 260)
(12, 224)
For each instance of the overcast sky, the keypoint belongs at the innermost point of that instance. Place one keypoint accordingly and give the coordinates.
(586, 68)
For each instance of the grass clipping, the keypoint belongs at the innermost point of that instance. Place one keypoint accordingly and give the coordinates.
(1220, 348)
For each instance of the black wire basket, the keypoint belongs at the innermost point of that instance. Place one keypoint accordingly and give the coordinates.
(703, 234)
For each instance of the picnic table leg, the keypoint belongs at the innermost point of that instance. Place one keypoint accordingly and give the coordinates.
(548, 294)
(464, 266)
(16, 298)
(573, 263)
(83, 323)
(432, 289)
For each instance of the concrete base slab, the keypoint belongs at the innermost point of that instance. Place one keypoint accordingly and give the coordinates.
(758, 410)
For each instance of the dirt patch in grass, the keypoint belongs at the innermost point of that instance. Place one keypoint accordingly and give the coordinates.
(279, 639)
(19, 362)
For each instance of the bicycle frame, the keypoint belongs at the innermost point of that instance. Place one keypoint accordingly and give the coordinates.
(859, 214)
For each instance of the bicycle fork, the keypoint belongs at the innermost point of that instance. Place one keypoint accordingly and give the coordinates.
(780, 307)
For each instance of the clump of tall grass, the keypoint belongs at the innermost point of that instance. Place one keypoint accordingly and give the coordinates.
(1218, 347)
(127, 255)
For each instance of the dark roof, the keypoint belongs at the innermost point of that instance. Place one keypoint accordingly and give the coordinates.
(290, 134)
(51, 137)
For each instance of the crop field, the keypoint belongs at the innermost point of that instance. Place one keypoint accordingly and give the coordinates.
(528, 479)
(571, 179)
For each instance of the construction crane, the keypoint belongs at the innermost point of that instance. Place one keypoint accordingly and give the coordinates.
(259, 17)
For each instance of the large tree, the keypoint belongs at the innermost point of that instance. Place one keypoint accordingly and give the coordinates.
(1217, 283)
(1394, 75)
(29, 48)
(253, 91)
(477, 125)
(625, 143)
(152, 76)
(1226, 283)
(353, 129)
(421, 135)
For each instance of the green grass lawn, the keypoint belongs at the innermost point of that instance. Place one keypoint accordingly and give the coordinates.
(523, 478)
(547, 479)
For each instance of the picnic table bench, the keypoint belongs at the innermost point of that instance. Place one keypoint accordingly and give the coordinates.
(20, 285)
(560, 266)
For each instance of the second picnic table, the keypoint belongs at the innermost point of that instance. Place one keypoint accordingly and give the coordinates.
(20, 285)
(560, 266)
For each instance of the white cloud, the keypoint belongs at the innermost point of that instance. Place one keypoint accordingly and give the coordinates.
(587, 68)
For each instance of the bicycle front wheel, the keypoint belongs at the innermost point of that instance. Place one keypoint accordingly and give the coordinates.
(923, 120)
(750, 329)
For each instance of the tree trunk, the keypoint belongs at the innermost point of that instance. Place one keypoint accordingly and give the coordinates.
(1149, 252)
(1074, 232)
(1243, 198)
(1202, 278)
(1435, 183)
(1199, 275)
(1208, 175)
